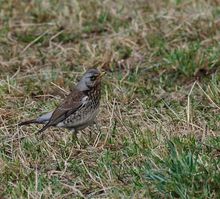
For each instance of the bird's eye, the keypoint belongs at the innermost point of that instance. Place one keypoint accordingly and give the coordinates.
(93, 78)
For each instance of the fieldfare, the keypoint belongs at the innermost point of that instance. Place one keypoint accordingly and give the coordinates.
(79, 109)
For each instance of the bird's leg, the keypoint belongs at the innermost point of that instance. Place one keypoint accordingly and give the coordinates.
(92, 129)
(75, 139)
(74, 135)
(90, 134)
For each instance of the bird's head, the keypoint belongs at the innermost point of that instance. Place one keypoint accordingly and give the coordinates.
(90, 79)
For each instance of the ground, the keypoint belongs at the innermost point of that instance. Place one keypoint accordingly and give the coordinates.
(160, 111)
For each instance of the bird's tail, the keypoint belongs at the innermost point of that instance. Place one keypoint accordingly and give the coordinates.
(40, 120)
(43, 129)
(34, 121)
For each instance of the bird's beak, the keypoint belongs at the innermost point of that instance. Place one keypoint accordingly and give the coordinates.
(102, 74)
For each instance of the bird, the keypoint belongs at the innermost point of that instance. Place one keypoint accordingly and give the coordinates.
(79, 109)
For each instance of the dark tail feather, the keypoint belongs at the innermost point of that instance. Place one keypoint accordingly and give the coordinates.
(35, 122)
(28, 122)
(40, 120)
(44, 128)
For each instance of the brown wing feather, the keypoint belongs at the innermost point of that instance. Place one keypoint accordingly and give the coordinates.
(72, 103)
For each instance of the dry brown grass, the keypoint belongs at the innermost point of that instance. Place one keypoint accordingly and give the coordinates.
(160, 101)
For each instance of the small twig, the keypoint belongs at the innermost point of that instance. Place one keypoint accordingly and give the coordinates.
(188, 102)
(75, 190)
(209, 98)
(90, 175)
(54, 36)
(59, 88)
(35, 40)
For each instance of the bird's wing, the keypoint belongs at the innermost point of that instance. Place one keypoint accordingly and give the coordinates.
(72, 103)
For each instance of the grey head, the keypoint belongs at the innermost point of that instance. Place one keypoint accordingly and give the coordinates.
(89, 80)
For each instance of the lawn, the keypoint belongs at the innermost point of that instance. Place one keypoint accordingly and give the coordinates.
(159, 123)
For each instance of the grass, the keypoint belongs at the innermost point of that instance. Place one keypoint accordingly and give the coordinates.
(159, 116)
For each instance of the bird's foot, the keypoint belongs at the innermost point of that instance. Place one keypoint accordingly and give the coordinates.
(75, 139)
